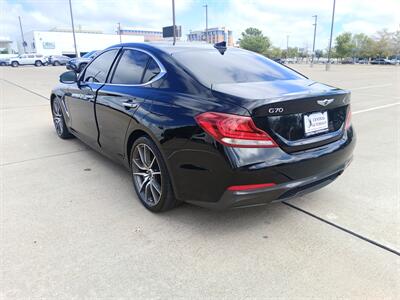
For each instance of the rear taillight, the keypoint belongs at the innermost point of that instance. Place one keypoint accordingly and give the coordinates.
(234, 130)
(348, 118)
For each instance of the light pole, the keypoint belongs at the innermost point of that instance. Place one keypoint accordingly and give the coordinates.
(22, 34)
(327, 67)
(119, 32)
(173, 21)
(206, 6)
(287, 46)
(73, 28)
(313, 45)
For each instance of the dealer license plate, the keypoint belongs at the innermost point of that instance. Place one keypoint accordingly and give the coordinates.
(315, 123)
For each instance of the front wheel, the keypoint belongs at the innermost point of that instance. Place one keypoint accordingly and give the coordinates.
(38, 63)
(58, 120)
(14, 64)
(56, 63)
(150, 176)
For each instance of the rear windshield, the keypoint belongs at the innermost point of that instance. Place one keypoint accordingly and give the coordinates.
(235, 66)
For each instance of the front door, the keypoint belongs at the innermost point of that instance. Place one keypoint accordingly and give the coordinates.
(80, 98)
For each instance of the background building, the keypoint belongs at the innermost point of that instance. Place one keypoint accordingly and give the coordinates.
(149, 35)
(59, 41)
(213, 35)
(5, 45)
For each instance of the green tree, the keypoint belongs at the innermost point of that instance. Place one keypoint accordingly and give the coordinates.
(319, 53)
(382, 45)
(274, 52)
(344, 45)
(252, 39)
(363, 45)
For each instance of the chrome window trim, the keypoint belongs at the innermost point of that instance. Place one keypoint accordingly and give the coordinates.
(163, 71)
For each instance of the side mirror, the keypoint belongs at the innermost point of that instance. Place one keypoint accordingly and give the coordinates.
(68, 77)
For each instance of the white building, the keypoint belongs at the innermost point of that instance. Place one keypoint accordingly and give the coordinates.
(61, 42)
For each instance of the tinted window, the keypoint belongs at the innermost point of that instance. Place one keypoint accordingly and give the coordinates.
(152, 71)
(130, 67)
(98, 69)
(210, 67)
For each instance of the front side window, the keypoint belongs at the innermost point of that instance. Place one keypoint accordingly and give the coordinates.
(130, 67)
(97, 71)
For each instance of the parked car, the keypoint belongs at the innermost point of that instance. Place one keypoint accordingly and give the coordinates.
(29, 59)
(58, 60)
(247, 133)
(363, 61)
(347, 61)
(279, 60)
(4, 61)
(79, 63)
(381, 61)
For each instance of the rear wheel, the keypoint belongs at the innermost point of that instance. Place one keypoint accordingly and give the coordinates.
(58, 120)
(14, 64)
(150, 176)
(38, 63)
(56, 63)
(2, 64)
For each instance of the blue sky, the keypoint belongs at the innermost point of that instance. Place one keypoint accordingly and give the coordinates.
(276, 18)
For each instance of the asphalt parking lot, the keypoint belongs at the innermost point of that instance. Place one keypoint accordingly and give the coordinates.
(71, 226)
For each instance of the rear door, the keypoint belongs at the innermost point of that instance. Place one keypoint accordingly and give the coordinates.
(80, 98)
(119, 99)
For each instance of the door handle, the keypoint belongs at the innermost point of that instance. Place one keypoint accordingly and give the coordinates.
(129, 105)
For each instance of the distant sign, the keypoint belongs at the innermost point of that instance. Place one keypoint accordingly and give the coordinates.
(49, 45)
(169, 31)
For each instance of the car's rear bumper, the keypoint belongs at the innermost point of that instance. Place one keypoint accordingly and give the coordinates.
(211, 180)
(255, 197)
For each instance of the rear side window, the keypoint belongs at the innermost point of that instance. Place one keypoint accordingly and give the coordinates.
(235, 66)
(97, 71)
(152, 71)
(130, 67)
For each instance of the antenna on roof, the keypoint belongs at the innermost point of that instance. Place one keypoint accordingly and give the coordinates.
(221, 47)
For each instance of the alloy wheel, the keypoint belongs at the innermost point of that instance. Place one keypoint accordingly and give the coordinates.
(147, 174)
(57, 117)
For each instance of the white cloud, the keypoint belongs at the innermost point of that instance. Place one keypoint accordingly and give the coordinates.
(277, 18)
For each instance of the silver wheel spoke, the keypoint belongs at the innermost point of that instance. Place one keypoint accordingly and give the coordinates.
(140, 174)
(145, 181)
(154, 192)
(137, 165)
(156, 186)
(146, 191)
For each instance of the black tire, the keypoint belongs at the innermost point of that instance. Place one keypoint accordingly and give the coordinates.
(166, 198)
(56, 63)
(38, 63)
(2, 64)
(58, 120)
(14, 64)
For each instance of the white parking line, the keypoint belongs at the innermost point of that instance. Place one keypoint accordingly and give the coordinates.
(375, 108)
(370, 87)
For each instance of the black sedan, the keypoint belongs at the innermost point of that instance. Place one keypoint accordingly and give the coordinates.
(220, 128)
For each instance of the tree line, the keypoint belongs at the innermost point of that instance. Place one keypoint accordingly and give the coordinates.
(383, 44)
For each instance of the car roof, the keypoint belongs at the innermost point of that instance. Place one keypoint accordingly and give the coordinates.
(169, 48)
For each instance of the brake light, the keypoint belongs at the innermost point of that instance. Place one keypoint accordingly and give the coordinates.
(348, 118)
(234, 130)
(250, 187)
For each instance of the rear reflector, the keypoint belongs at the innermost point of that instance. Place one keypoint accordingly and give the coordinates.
(234, 130)
(250, 187)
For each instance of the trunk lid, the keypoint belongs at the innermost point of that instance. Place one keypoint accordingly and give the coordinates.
(280, 108)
